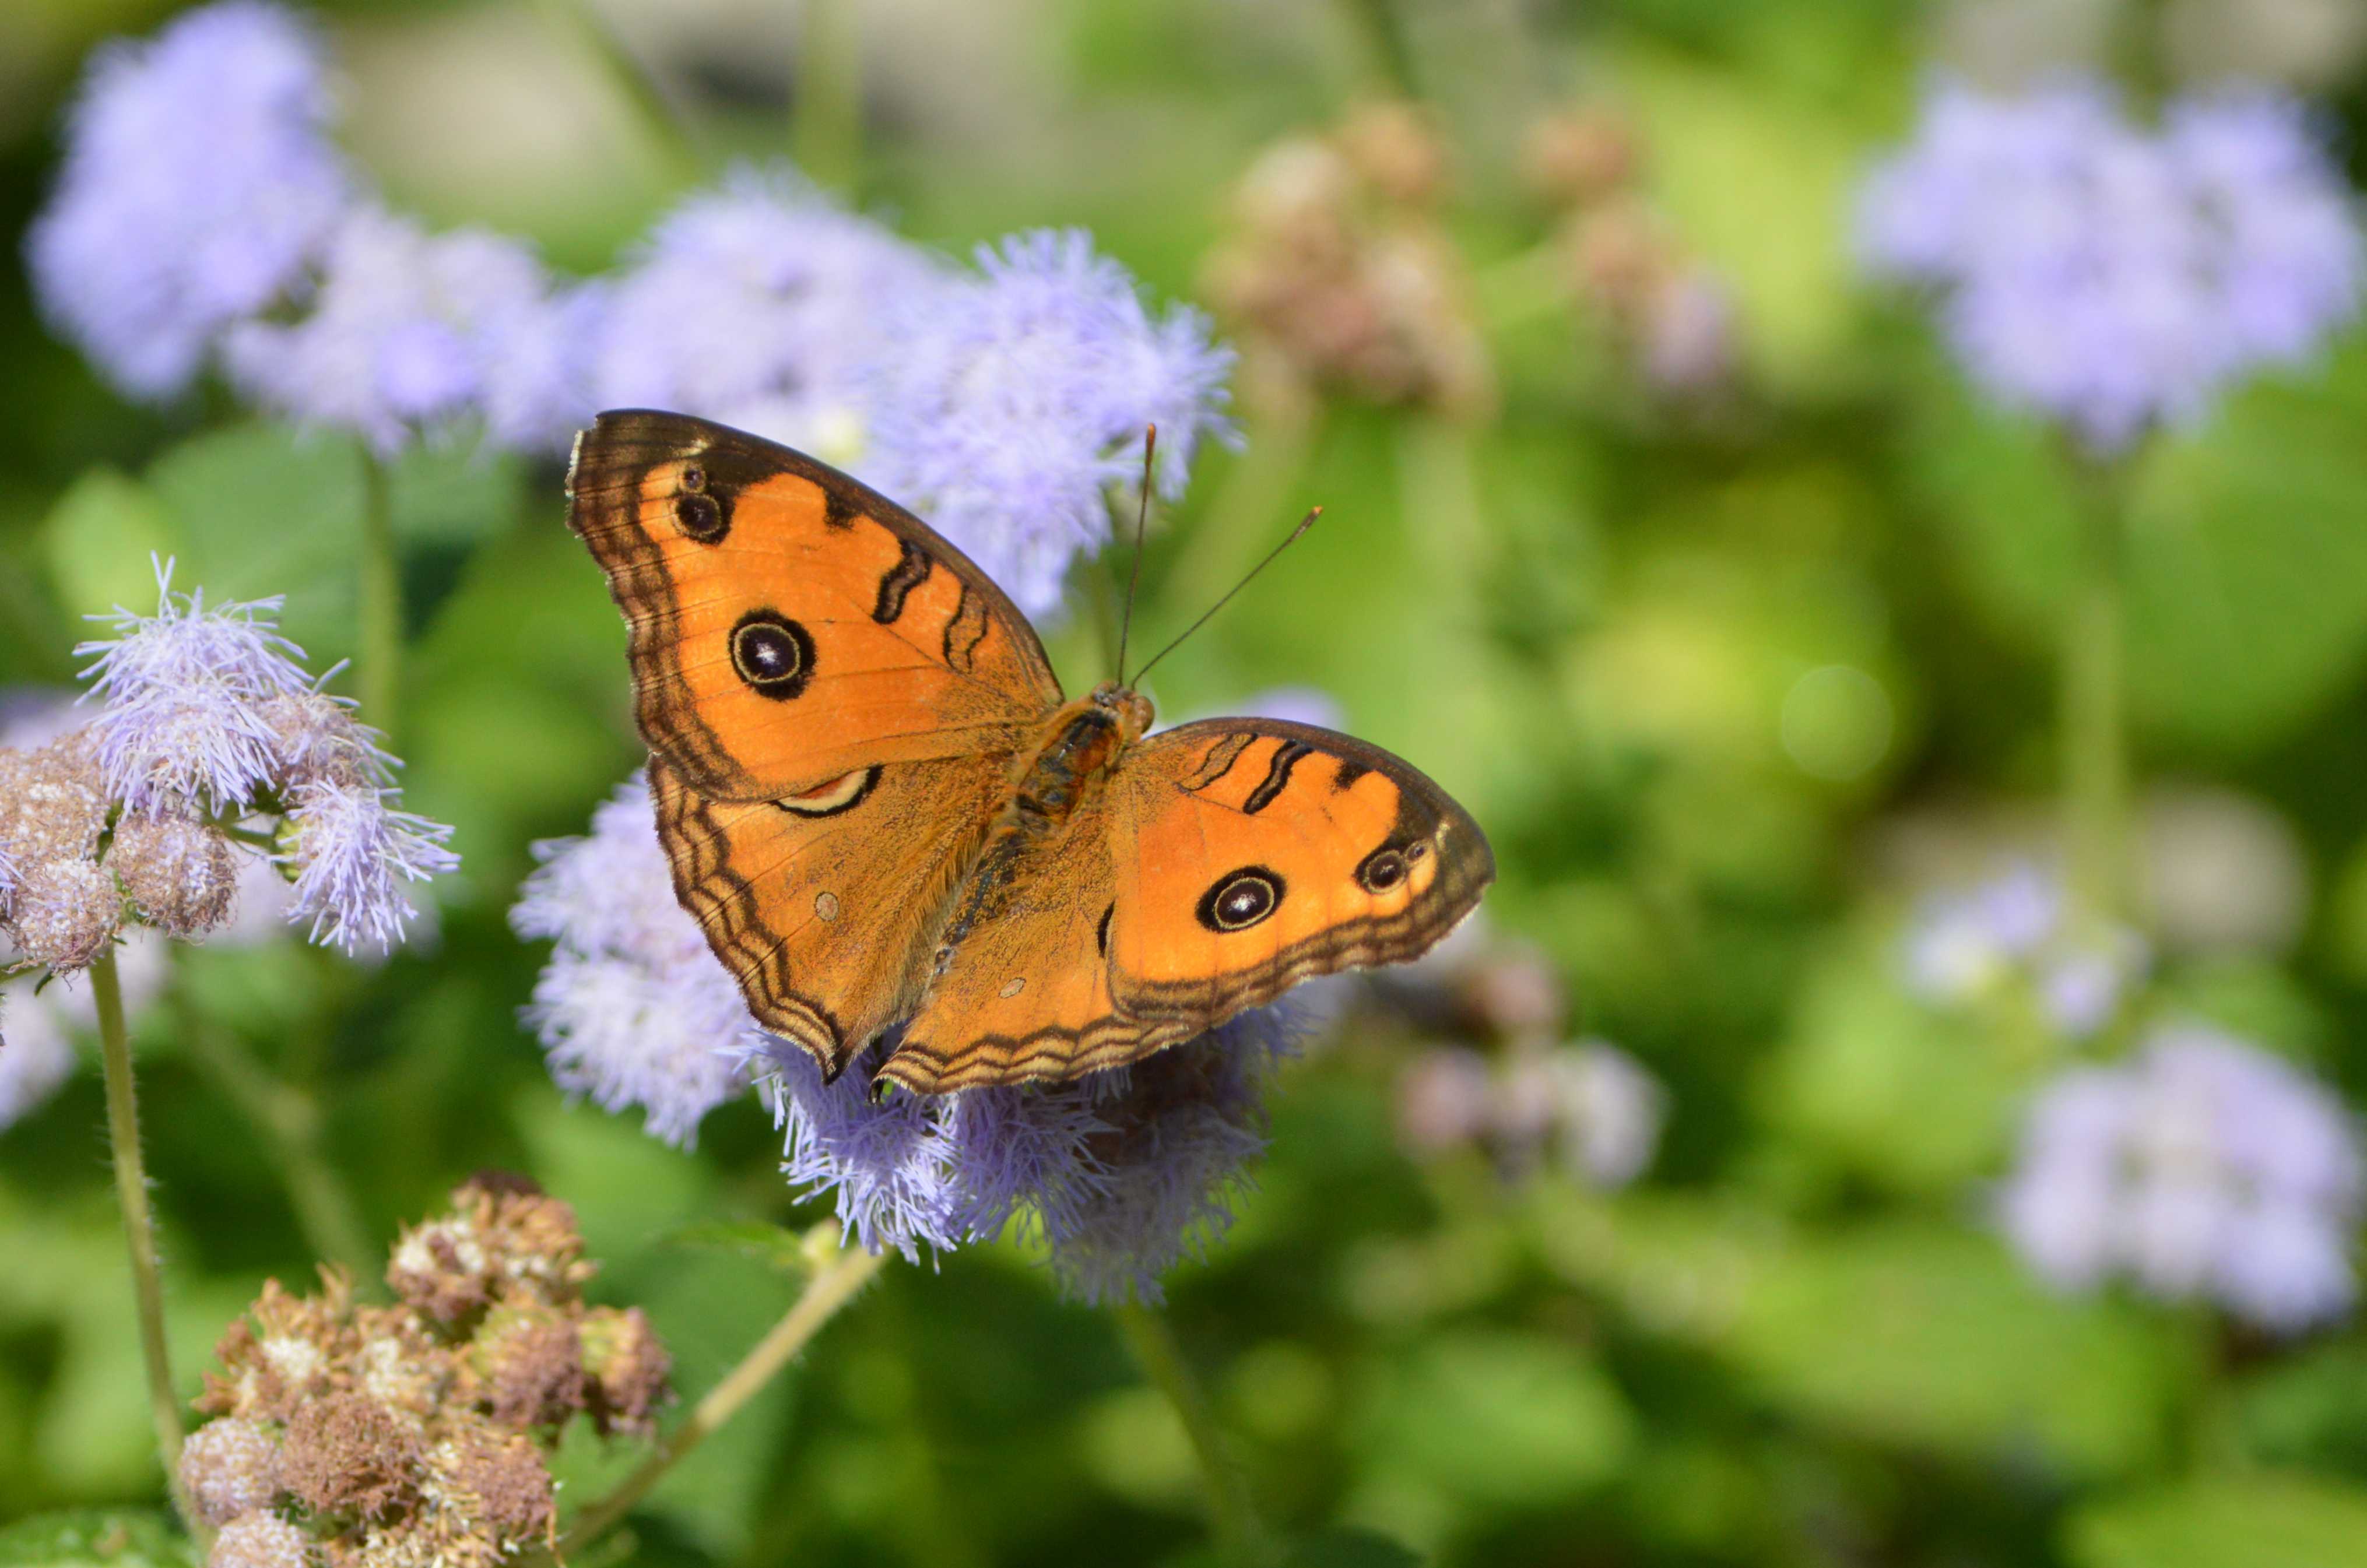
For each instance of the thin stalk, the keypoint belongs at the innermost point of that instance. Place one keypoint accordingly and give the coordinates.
(1247, 514)
(827, 1291)
(666, 133)
(289, 1120)
(2095, 761)
(380, 611)
(139, 1225)
(1384, 35)
(1231, 1518)
(826, 129)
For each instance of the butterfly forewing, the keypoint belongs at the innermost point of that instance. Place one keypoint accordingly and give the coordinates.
(789, 625)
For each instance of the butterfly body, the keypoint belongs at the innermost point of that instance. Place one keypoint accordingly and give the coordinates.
(882, 811)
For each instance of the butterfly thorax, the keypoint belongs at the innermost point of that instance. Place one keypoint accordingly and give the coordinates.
(1081, 742)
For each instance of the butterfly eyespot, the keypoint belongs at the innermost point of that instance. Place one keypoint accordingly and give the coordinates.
(1382, 870)
(1418, 849)
(771, 653)
(701, 517)
(1239, 899)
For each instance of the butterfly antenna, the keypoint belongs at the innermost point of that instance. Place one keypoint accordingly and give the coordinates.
(1304, 524)
(1134, 579)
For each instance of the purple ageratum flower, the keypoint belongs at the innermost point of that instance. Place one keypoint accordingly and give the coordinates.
(1962, 942)
(760, 305)
(197, 185)
(1015, 399)
(187, 692)
(352, 850)
(1123, 1174)
(411, 332)
(634, 1009)
(2105, 277)
(2202, 1166)
(206, 712)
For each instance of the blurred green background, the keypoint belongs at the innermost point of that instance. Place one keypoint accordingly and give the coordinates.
(1725, 675)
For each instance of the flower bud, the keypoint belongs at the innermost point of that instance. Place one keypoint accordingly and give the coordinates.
(65, 913)
(181, 876)
(261, 1540)
(52, 803)
(231, 1467)
(627, 1369)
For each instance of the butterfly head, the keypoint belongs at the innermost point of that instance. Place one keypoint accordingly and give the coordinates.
(1133, 709)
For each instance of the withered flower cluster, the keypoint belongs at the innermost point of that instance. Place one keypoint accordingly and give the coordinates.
(1339, 275)
(415, 1435)
(1664, 311)
(58, 904)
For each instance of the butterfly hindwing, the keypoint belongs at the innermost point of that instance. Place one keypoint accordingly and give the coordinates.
(789, 624)
(1227, 861)
(823, 905)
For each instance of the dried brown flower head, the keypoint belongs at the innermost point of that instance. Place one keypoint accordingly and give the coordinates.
(181, 876)
(261, 1540)
(64, 913)
(52, 802)
(414, 1435)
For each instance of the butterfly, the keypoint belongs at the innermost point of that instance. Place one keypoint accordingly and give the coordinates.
(882, 810)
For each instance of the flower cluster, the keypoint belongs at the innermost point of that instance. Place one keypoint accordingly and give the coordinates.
(2008, 934)
(2109, 278)
(1121, 1173)
(416, 1433)
(1587, 1108)
(1664, 311)
(1339, 275)
(206, 719)
(2202, 1166)
(1005, 402)
(203, 215)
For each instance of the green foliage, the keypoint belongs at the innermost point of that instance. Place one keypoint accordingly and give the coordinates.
(91, 1538)
(1725, 681)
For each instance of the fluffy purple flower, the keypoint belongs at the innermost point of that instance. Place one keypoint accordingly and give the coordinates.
(2202, 1166)
(414, 332)
(633, 1008)
(207, 713)
(760, 305)
(1016, 400)
(2109, 278)
(185, 694)
(2010, 932)
(352, 850)
(198, 184)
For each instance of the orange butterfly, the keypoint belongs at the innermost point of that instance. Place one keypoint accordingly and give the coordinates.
(881, 810)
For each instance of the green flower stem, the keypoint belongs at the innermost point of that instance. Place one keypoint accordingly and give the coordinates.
(289, 1120)
(826, 134)
(2095, 762)
(831, 1288)
(1232, 1519)
(381, 675)
(139, 1225)
(660, 125)
(1385, 35)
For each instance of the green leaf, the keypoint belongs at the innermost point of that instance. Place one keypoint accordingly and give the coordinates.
(769, 1244)
(1348, 1549)
(1500, 1419)
(2245, 566)
(97, 540)
(262, 511)
(122, 1538)
(2263, 1520)
(1934, 1337)
(1886, 1086)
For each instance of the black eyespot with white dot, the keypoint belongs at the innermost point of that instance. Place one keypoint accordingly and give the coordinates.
(1385, 868)
(1239, 899)
(771, 653)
